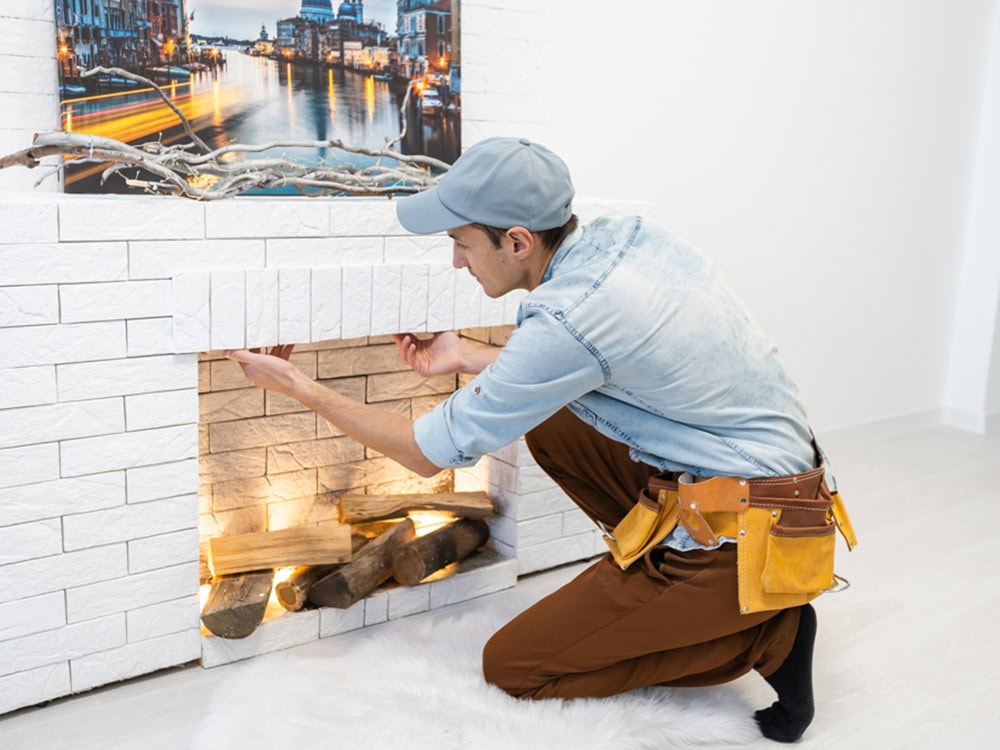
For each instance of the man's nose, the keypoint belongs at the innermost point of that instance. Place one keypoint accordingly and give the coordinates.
(458, 259)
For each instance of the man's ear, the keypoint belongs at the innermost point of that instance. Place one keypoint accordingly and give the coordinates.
(522, 241)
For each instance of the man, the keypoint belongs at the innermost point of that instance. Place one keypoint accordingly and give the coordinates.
(632, 361)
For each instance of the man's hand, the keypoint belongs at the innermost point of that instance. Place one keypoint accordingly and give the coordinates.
(272, 371)
(441, 354)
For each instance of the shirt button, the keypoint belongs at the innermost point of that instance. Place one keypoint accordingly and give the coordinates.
(476, 390)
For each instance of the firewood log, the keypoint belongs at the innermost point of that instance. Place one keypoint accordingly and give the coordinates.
(293, 592)
(236, 603)
(356, 508)
(418, 559)
(369, 569)
(308, 545)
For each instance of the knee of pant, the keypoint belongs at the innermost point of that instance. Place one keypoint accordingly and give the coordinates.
(497, 668)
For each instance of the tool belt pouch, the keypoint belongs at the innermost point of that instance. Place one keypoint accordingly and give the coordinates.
(646, 524)
(784, 530)
(786, 550)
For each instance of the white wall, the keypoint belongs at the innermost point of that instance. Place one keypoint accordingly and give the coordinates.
(822, 151)
(974, 377)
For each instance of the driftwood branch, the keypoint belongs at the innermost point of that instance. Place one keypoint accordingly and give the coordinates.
(197, 171)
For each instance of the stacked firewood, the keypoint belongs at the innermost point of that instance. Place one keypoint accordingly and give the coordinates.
(338, 565)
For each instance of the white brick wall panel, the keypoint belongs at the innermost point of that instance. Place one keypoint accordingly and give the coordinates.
(23, 108)
(292, 629)
(132, 521)
(294, 305)
(334, 251)
(63, 264)
(576, 522)
(28, 75)
(78, 342)
(537, 531)
(52, 422)
(28, 305)
(434, 248)
(512, 303)
(408, 600)
(192, 311)
(281, 217)
(536, 504)
(161, 480)
(162, 260)
(327, 297)
(82, 303)
(31, 9)
(228, 295)
(130, 218)
(552, 554)
(164, 550)
(337, 621)
(134, 659)
(149, 336)
(357, 298)
(473, 583)
(376, 607)
(46, 574)
(28, 386)
(147, 410)
(54, 646)
(441, 298)
(468, 295)
(128, 450)
(413, 312)
(493, 312)
(32, 615)
(507, 79)
(29, 464)
(116, 377)
(130, 592)
(37, 686)
(504, 529)
(177, 616)
(34, 502)
(27, 541)
(262, 307)
(386, 301)
(363, 217)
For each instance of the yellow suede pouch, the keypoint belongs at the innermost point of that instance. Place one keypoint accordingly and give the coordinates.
(643, 528)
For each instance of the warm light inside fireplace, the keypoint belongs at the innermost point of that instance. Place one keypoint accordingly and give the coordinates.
(426, 521)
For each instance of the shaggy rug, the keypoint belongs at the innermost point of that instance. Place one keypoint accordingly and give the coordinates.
(416, 684)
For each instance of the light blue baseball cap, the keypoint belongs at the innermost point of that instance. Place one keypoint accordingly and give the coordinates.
(501, 182)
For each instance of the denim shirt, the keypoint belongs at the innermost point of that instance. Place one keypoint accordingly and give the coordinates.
(638, 334)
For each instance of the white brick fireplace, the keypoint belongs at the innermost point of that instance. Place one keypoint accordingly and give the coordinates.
(105, 303)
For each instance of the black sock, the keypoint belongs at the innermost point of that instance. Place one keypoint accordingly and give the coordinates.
(788, 717)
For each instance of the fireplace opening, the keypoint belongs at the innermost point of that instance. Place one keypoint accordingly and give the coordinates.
(276, 480)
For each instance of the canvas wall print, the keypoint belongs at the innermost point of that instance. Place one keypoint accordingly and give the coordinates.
(257, 72)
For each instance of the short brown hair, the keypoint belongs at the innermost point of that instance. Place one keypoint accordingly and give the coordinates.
(550, 238)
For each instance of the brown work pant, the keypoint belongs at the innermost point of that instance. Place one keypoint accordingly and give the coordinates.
(671, 619)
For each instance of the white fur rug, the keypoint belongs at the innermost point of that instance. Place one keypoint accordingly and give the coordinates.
(416, 684)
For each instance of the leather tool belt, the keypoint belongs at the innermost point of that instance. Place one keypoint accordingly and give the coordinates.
(783, 526)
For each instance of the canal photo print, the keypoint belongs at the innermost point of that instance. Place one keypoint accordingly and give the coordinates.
(321, 92)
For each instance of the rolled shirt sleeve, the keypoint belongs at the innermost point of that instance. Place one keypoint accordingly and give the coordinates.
(544, 366)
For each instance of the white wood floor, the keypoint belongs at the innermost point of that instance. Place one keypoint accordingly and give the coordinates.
(909, 657)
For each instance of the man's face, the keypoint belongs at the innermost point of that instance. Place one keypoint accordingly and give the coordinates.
(494, 268)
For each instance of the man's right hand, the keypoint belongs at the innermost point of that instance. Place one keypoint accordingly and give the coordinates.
(441, 354)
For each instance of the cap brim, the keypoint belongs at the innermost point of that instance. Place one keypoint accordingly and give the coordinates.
(424, 213)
